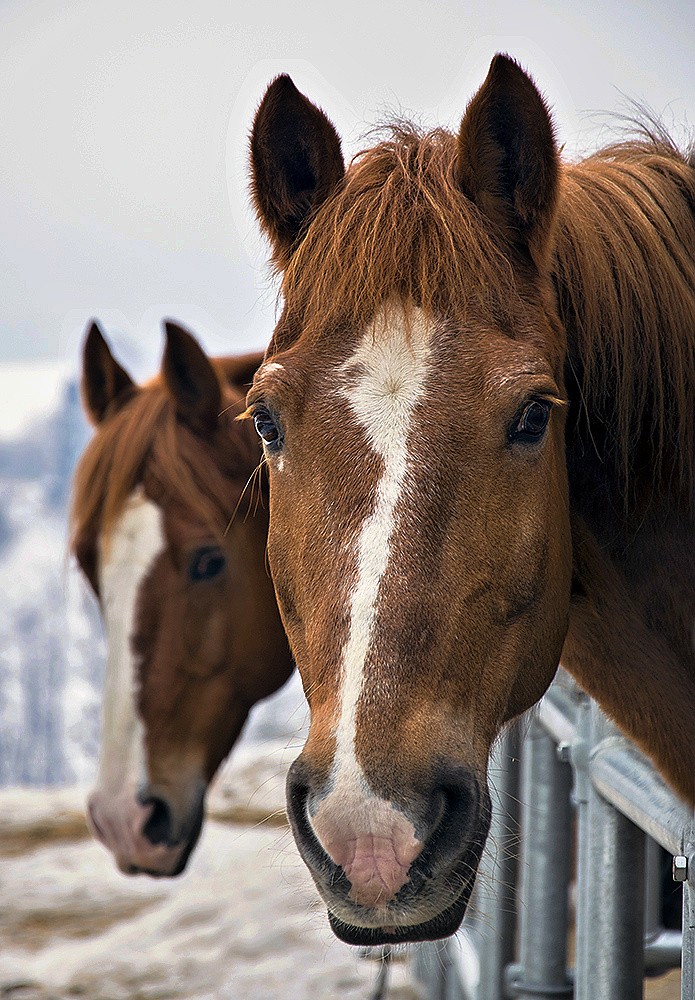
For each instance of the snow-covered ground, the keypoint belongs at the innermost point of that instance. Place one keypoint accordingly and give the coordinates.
(244, 921)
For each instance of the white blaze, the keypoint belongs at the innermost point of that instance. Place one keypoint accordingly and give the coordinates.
(135, 543)
(392, 367)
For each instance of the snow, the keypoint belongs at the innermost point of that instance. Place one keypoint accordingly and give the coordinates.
(243, 921)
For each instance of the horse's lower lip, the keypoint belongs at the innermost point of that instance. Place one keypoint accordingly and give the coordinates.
(176, 868)
(441, 926)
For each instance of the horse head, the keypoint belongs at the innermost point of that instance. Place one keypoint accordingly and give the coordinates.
(193, 632)
(412, 410)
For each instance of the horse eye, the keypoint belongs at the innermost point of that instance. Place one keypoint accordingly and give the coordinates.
(532, 422)
(206, 563)
(266, 428)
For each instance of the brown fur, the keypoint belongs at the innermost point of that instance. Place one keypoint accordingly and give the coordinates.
(540, 278)
(207, 650)
(149, 431)
(625, 268)
(400, 228)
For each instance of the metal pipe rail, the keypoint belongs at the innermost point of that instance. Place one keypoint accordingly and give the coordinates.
(625, 779)
(623, 809)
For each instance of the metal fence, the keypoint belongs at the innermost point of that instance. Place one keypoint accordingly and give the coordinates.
(566, 776)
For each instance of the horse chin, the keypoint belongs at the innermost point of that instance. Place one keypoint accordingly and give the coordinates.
(418, 912)
(442, 925)
(171, 868)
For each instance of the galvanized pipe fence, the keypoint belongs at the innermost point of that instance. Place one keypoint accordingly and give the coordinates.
(574, 804)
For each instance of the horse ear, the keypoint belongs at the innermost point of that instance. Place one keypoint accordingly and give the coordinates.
(239, 370)
(105, 385)
(191, 379)
(507, 160)
(296, 162)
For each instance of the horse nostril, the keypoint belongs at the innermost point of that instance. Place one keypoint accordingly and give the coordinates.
(460, 811)
(299, 794)
(158, 828)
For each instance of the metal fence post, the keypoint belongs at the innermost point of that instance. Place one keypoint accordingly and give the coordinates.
(580, 794)
(688, 954)
(495, 898)
(614, 880)
(546, 819)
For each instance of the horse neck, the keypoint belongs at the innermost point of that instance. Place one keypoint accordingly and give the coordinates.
(625, 216)
(630, 375)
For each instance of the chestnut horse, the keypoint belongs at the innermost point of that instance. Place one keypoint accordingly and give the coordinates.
(477, 413)
(193, 631)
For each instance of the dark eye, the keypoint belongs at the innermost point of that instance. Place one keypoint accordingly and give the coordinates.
(267, 428)
(206, 563)
(532, 423)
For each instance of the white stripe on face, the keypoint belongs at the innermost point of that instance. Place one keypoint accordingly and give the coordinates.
(392, 359)
(135, 543)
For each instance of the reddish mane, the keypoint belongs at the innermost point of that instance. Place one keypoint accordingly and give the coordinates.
(628, 214)
(397, 227)
(147, 428)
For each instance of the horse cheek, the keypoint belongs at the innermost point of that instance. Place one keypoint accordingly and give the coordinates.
(546, 631)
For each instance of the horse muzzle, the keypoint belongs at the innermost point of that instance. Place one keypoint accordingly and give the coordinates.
(391, 870)
(145, 832)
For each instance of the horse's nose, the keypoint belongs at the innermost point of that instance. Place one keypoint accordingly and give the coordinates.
(158, 827)
(458, 794)
(148, 831)
(380, 846)
(171, 820)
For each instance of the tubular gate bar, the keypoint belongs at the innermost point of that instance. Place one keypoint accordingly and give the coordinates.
(570, 761)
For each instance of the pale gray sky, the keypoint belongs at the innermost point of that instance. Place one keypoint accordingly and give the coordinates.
(124, 129)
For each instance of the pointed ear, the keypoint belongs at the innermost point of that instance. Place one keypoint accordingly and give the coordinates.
(105, 385)
(239, 370)
(507, 161)
(191, 379)
(296, 162)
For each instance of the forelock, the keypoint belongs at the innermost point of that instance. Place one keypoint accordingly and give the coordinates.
(398, 228)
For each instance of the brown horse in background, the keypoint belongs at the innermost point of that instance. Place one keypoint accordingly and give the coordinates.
(477, 412)
(193, 631)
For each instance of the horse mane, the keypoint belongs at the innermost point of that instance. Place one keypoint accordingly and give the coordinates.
(625, 272)
(147, 429)
(398, 227)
